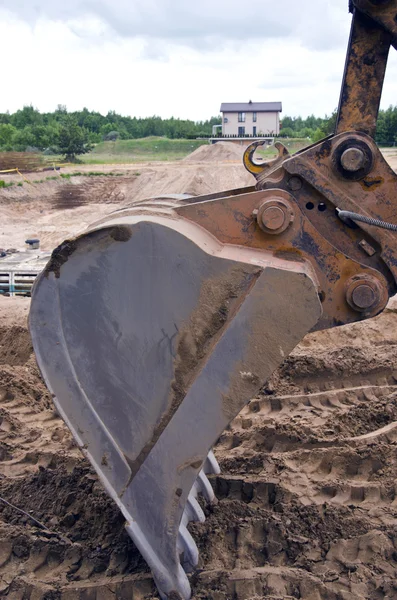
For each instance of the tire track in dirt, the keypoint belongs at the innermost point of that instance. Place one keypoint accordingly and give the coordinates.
(307, 495)
(323, 458)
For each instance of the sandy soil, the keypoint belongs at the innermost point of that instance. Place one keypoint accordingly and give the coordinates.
(54, 210)
(391, 156)
(308, 490)
(219, 152)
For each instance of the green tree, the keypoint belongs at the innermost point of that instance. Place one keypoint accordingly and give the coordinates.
(5, 118)
(61, 109)
(326, 127)
(287, 132)
(318, 135)
(7, 132)
(112, 136)
(45, 136)
(387, 126)
(73, 140)
(107, 129)
(23, 139)
(41, 130)
(27, 116)
(330, 123)
(306, 132)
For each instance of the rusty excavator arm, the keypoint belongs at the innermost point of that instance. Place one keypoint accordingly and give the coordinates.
(155, 327)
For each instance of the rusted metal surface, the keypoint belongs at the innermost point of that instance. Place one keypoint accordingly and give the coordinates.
(275, 215)
(374, 195)
(370, 250)
(233, 221)
(383, 12)
(353, 159)
(364, 75)
(364, 293)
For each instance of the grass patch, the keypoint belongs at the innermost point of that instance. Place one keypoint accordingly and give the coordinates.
(100, 174)
(163, 149)
(90, 174)
(141, 150)
(20, 184)
(4, 184)
(292, 144)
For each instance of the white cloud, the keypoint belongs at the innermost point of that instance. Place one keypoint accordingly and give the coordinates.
(175, 57)
(315, 22)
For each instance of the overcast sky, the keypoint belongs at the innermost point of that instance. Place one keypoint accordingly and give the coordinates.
(175, 57)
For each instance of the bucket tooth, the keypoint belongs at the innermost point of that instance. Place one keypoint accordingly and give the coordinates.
(211, 466)
(152, 336)
(174, 583)
(190, 554)
(193, 511)
(203, 486)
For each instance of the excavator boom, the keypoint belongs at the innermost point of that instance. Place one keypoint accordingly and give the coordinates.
(155, 327)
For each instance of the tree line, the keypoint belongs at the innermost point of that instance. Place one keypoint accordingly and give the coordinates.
(316, 128)
(72, 133)
(27, 128)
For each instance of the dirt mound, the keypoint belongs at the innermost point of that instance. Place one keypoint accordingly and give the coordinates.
(219, 152)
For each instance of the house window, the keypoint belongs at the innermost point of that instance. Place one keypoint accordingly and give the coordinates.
(241, 117)
(226, 120)
(241, 131)
(254, 130)
(254, 117)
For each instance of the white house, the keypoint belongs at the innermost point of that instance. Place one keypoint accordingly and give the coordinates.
(251, 118)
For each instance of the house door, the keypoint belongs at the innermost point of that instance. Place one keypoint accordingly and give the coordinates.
(241, 131)
(254, 130)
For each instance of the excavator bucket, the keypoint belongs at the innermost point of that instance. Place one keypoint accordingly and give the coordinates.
(154, 328)
(152, 335)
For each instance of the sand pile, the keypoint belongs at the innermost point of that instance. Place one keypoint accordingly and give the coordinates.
(56, 209)
(219, 152)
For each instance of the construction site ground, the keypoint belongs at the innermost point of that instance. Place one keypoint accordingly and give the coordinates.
(308, 490)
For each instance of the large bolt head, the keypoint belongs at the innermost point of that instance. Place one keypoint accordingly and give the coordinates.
(273, 218)
(363, 296)
(366, 294)
(275, 215)
(353, 159)
(295, 183)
